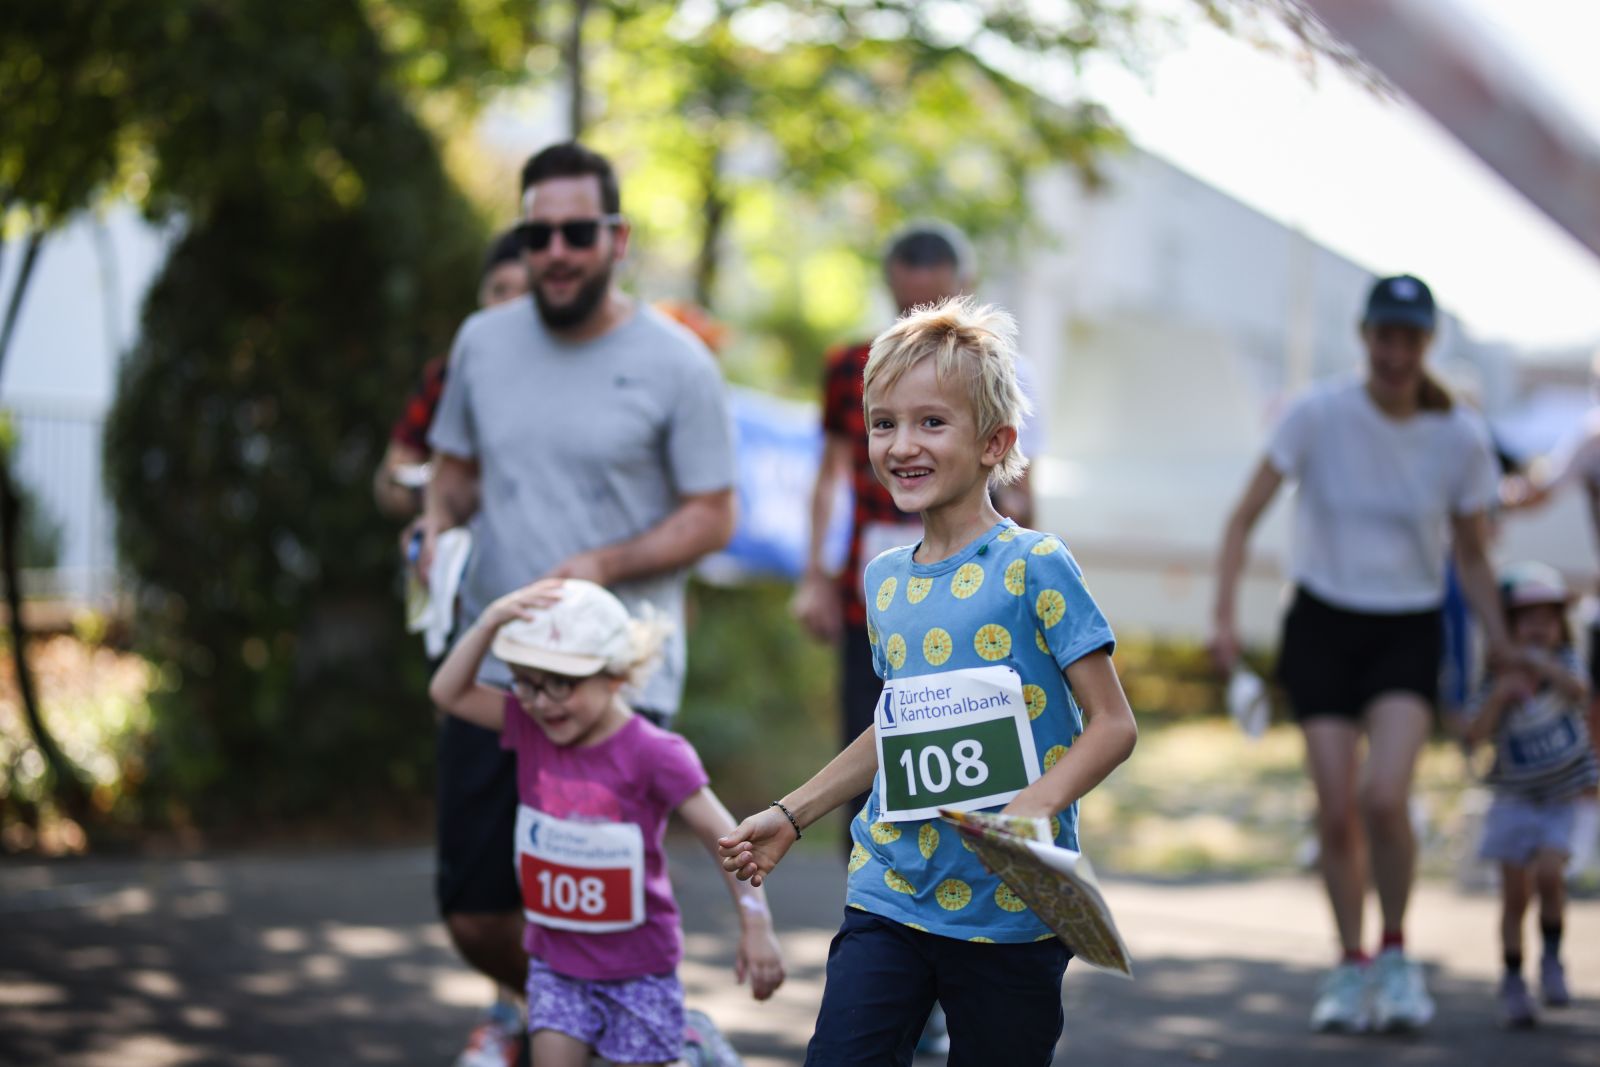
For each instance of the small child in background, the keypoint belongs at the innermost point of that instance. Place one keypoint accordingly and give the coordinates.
(596, 784)
(1544, 759)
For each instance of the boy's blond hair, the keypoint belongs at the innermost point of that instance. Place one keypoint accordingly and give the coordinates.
(965, 338)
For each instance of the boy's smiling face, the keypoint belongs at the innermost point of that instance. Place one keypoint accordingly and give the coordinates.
(922, 439)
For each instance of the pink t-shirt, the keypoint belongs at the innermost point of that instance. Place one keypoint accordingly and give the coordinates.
(639, 775)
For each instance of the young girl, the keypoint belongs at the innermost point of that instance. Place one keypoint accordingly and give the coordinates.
(596, 783)
(1543, 761)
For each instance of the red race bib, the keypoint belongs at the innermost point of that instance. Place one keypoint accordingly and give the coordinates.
(580, 875)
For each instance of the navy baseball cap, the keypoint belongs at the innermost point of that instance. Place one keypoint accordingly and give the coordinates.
(1403, 300)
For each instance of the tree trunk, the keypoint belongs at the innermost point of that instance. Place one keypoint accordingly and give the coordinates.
(577, 103)
(69, 787)
(714, 211)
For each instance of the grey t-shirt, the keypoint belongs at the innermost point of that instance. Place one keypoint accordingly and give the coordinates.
(581, 445)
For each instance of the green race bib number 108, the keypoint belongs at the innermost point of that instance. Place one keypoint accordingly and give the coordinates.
(959, 740)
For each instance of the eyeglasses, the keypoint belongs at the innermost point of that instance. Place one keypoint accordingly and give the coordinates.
(556, 687)
(576, 233)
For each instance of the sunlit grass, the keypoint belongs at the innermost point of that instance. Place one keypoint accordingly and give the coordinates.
(1200, 798)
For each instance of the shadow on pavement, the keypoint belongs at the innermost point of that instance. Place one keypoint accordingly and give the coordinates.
(336, 959)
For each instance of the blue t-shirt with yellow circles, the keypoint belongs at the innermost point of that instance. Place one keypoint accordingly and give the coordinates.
(1012, 598)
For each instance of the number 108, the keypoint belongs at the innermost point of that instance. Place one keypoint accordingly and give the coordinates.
(931, 768)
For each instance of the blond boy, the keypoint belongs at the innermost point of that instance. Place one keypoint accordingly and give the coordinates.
(999, 695)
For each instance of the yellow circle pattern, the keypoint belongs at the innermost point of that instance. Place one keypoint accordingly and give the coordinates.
(884, 832)
(937, 646)
(927, 840)
(1008, 534)
(966, 581)
(1047, 546)
(1051, 607)
(886, 593)
(966, 844)
(1055, 827)
(916, 926)
(1053, 756)
(1016, 576)
(1034, 697)
(1038, 639)
(872, 633)
(1008, 900)
(895, 650)
(895, 881)
(953, 894)
(858, 858)
(917, 589)
(992, 642)
(980, 939)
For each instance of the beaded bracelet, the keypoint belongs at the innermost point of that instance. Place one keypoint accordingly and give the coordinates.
(787, 814)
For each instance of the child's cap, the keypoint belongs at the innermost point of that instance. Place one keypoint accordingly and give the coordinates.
(1523, 585)
(588, 630)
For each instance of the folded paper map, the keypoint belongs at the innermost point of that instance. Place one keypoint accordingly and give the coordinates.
(1056, 883)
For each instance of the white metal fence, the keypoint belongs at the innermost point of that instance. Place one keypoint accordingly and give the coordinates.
(59, 461)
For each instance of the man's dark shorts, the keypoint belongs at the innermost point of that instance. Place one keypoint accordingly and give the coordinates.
(477, 812)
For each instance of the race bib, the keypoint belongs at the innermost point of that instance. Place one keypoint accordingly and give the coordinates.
(879, 537)
(580, 875)
(958, 740)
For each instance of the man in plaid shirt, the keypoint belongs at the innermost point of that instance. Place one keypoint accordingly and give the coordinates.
(925, 263)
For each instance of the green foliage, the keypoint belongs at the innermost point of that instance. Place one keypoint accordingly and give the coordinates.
(326, 256)
(759, 700)
(786, 137)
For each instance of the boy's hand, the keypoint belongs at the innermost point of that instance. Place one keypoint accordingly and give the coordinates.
(756, 845)
(760, 959)
(523, 603)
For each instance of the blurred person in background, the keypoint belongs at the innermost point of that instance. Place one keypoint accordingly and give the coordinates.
(581, 434)
(1393, 476)
(397, 483)
(1575, 462)
(1534, 715)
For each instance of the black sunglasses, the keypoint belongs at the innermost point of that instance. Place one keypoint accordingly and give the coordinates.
(576, 233)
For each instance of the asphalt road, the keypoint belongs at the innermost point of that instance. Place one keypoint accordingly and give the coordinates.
(266, 960)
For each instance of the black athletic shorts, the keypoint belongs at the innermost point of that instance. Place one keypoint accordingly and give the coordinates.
(1335, 662)
(477, 800)
(1594, 658)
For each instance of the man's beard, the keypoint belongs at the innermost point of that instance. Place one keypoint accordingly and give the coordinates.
(579, 308)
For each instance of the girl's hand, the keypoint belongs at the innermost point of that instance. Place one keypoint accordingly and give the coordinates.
(1513, 687)
(756, 845)
(760, 959)
(523, 603)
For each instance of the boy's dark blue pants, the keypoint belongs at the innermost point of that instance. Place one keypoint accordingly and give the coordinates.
(1003, 1002)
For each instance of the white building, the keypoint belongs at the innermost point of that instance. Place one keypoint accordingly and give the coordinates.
(1169, 324)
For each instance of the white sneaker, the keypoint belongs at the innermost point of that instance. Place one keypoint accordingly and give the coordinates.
(1341, 1003)
(496, 1041)
(1400, 1000)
